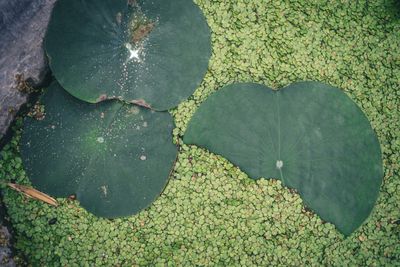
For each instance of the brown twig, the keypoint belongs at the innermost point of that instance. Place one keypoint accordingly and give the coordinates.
(33, 193)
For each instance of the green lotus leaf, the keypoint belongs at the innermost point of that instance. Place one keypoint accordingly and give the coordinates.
(152, 53)
(115, 157)
(309, 135)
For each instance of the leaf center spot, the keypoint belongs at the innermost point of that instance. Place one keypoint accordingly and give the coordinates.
(133, 53)
(279, 164)
(100, 139)
(104, 190)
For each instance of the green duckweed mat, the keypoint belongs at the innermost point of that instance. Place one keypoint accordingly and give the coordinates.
(211, 213)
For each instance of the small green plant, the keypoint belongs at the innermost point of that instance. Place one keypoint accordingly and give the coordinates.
(309, 135)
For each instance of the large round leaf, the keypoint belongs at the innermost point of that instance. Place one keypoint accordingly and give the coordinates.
(309, 135)
(115, 157)
(154, 53)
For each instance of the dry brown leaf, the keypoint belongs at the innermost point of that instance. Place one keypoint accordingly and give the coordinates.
(33, 193)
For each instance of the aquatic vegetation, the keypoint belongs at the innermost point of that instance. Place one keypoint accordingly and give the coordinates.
(309, 135)
(152, 53)
(211, 213)
(115, 157)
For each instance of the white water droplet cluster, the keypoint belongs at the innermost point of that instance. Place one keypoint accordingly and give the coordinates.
(133, 53)
(279, 164)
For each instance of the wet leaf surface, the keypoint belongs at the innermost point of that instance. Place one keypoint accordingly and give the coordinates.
(115, 157)
(154, 52)
(309, 135)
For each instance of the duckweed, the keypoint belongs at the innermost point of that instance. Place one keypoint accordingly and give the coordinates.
(211, 213)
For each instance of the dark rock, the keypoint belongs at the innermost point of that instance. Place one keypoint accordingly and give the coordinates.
(23, 24)
(52, 221)
(6, 257)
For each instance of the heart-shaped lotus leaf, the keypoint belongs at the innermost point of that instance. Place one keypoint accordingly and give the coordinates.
(115, 157)
(309, 135)
(152, 53)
